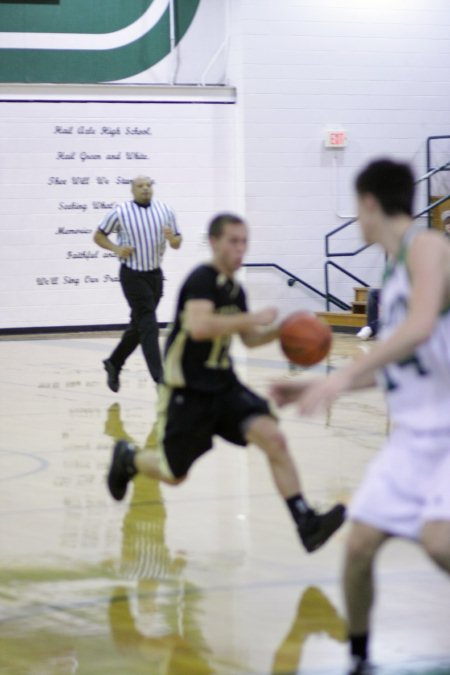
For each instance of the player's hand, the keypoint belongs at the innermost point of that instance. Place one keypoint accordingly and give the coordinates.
(311, 396)
(266, 316)
(319, 394)
(124, 251)
(284, 393)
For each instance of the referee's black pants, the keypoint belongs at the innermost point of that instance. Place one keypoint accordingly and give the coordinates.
(143, 291)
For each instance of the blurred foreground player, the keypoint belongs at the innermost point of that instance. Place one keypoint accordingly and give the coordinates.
(406, 490)
(202, 397)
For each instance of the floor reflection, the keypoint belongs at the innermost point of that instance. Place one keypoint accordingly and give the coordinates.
(115, 428)
(158, 620)
(38, 652)
(315, 615)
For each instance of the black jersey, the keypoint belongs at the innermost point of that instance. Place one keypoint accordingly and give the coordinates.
(203, 365)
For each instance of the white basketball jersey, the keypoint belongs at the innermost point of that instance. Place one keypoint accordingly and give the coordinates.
(418, 388)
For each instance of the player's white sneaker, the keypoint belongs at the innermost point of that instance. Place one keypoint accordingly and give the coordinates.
(365, 333)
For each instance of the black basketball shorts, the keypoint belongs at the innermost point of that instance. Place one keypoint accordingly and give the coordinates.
(188, 420)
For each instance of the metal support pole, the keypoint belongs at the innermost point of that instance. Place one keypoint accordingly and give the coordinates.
(173, 39)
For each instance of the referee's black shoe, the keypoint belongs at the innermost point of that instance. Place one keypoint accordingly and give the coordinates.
(122, 469)
(316, 528)
(112, 376)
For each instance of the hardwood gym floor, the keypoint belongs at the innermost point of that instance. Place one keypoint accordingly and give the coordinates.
(205, 578)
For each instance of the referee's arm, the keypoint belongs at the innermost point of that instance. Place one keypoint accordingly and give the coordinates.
(105, 228)
(173, 239)
(101, 239)
(171, 233)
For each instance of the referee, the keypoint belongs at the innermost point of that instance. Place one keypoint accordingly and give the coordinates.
(143, 226)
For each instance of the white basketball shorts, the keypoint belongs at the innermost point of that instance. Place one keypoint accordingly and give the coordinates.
(407, 484)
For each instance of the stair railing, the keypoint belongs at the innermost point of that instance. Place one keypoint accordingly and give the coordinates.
(335, 254)
(329, 297)
(330, 263)
(430, 170)
(293, 279)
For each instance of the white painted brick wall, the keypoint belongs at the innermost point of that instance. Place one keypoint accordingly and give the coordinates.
(381, 70)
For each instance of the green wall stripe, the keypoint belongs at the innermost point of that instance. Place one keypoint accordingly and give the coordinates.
(90, 66)
(72, 16)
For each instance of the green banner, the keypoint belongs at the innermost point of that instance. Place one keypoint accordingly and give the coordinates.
(87, 63)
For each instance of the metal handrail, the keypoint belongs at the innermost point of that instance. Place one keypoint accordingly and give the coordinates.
(330, 298)
(293, 278)
(431, 172)
(432, 206)
(426, 176)
(327, 296)
(337, 300)
(429, 167)
(330, 263)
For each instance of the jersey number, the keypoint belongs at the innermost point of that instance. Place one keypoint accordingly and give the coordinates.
(218, 356)
(412, 361)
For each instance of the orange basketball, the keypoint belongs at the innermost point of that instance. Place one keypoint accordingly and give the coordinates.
(305, 339)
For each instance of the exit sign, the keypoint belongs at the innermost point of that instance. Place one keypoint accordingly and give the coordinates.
(335, 138)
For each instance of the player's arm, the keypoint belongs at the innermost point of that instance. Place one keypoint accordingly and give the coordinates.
(202, 323)
(259, 336)
(285, 392)
(428, 267)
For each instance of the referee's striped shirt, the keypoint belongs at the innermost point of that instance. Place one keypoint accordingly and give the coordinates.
(142, 228)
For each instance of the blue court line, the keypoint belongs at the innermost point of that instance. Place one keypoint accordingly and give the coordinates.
(273, 584)
(62, 393)
(42, 464)
(91, 344)
(275, 364)
(188, 500)
(198, 591)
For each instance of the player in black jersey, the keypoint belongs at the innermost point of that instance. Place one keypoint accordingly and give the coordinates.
(202, 397)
